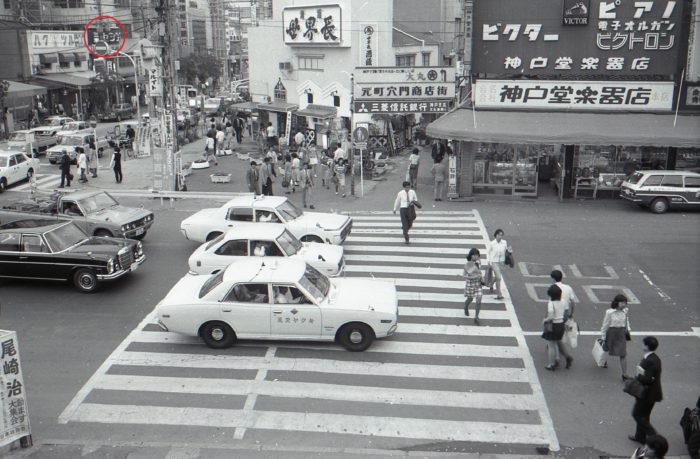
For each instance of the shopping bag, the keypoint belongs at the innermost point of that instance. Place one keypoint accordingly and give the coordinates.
(599, 355)
(571, 333)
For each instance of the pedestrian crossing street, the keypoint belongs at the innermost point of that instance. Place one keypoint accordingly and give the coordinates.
(440, 379)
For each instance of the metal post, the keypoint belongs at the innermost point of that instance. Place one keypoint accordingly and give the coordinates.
(352, 128)
(136, 83)
(362, 175)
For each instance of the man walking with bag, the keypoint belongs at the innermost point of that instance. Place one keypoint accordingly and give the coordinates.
(649, 374)
(406, 201)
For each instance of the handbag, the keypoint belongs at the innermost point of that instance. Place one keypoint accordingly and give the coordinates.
(510, 260)
(547, 329)
(571, 333)
(635, 388)
(628, 337)
(599, 354)
(411, 212)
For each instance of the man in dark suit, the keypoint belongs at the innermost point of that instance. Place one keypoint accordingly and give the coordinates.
(649, 374)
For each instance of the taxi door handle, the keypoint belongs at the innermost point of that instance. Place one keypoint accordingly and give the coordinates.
(277, 312)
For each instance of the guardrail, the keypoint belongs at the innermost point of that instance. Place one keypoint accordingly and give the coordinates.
(175, 195)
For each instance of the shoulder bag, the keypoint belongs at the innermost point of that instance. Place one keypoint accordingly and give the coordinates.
(635, 388)
(510, 260)
(628, 337)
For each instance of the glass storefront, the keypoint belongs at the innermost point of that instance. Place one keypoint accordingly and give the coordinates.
(688, 159)
(609, 165)
(508, 169)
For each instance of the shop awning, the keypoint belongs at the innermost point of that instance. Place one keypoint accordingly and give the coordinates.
(18, 90)
(80, 57)
(72, 80)
(631, 129)
(318, 111)
(66, 57)
(244, 106)
(48, 58)
(278, 106)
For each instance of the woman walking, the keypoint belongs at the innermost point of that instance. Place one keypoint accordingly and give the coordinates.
(615, 331)
(116, 164)
(472, 288)
(554, 329)
(497, 257)
(288, 173)
(339, 170)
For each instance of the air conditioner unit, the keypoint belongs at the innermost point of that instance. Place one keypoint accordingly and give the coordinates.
(285, 66)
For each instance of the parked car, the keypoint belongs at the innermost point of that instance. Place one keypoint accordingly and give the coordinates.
(212, 105)
(71, 128)
(282, 299)
(33, 140)
(46, 249)
(95, 211)
(662, 190)
(78, 139)
(16, 166)
(271, 240)
(57, 120)
(247, 209)
(118, 112)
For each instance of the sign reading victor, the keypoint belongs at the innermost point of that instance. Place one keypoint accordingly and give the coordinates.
(14, 415)
(574, 95)
(312, 25)
(622, 37)
(403, 89)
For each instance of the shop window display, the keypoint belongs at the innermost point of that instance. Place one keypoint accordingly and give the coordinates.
(609, 165)
(505, 168)
(688, 159)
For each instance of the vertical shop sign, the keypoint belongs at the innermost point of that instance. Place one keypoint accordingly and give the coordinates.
(14, 417)
(452, 177)
(369, 44)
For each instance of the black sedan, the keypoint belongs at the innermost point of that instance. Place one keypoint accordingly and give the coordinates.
(53, 249)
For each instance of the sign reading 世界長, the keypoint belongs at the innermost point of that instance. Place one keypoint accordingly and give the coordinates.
(312, 25)
(403, 89)
(621, 37)
(14, 414)
(574, 95)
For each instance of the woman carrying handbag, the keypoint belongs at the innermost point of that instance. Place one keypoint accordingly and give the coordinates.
(615, 331)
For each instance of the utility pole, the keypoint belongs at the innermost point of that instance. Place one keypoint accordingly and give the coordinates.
(168, 112)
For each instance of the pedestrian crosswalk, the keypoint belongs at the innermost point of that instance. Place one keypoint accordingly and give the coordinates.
(439, 379)
(42, 181)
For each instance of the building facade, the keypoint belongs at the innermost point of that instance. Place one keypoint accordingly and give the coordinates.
(575, 98)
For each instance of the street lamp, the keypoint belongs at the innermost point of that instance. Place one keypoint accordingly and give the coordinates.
(136, 83)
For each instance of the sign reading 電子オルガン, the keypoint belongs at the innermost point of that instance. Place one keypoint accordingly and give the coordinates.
(611, 38)
(312, 25)
(14, 415)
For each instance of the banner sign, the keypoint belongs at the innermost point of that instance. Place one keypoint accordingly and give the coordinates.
(14, 414)
(621, 38)
(369, 45)
(392, 106)
(574, 95)
(372, 91)
(72, 41)
(406, 75)
(312, 25)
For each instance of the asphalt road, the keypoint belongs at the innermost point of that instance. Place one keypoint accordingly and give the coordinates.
(65, 336)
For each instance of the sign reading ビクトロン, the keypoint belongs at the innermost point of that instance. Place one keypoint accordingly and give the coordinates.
(609, 38)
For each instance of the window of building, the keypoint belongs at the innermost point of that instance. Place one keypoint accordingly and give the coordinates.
(336, 101)
(69, 3)
(280, 92)
(7, 4)
(45, 66)
(309, 98)
(426, 59)
(310, 62)
(406, 60)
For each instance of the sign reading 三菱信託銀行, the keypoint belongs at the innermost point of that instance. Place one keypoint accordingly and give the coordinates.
(621, 38)
(574, 95)
(403, 89)
(312, 25)
(14, 414)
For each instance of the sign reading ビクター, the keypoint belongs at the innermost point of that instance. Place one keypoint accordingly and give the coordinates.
(574, 95)
(14, 414)
(403, 89)
(312, 25)
(621, 37)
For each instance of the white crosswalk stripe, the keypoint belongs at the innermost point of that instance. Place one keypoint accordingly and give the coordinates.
(42, 181)
(439, 378)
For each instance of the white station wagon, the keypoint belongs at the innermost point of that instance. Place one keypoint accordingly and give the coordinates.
(244, 210)
(285, 299)
(271, 240)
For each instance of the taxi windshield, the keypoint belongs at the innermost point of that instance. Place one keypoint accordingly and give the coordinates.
(289, 211)
(18, 137)
(65, 236)
(97, 202)
(315, 283)
(636, 177)
(289, 243)
(72, 141)
(211, 283)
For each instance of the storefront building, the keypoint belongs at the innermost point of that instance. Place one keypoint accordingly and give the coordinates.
(573, 102)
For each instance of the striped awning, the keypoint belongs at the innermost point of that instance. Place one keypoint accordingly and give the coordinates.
(66, 57)
(48, 58)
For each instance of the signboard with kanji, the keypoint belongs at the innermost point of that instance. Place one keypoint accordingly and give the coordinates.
(14, 414)
(155, 85)
(574, 95)
(312, 25)
(369, 45)
(595, 37)
(393, 106)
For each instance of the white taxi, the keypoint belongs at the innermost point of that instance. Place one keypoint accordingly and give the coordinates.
(271, 240)
(16, 166)
(285, 299)
(246, 210)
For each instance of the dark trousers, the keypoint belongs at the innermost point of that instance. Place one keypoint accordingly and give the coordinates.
(267, 188)
(118, 173)
(65, 177)
(239, 135)
(406, 222)
(642, 414)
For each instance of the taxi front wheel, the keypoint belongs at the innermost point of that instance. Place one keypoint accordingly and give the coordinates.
(355, 336)
(217, 335)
